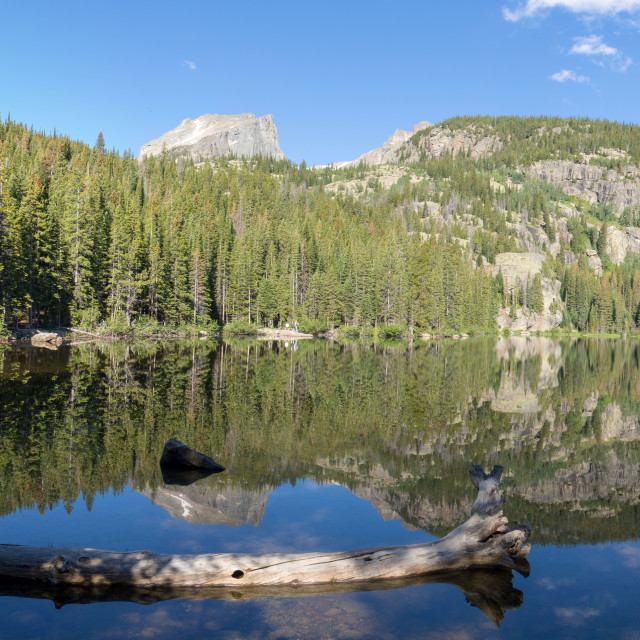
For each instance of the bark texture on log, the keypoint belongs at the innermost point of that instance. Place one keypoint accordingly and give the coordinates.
(484, 540)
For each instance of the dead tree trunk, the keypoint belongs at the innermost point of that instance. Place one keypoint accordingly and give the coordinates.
(484, 540)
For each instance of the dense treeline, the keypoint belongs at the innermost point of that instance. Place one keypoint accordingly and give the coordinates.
(88, 236)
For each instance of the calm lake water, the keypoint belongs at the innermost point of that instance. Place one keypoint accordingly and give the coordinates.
(329, 447)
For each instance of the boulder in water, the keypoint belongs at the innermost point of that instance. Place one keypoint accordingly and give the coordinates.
(179, 456)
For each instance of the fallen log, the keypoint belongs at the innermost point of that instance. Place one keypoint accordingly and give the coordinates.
(84, 333)
(483, 541)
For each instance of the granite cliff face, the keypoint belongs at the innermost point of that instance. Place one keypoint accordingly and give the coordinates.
(406, 146)
(593, 184)
(517, 269)
(216, 135)
(441, 141)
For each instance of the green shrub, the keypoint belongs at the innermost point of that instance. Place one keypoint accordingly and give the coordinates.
(146, 326)
(4, 331)
(391, 331)
(89, 318)
(313, 326)
(117, 325)
(239, 327)
(349, 331)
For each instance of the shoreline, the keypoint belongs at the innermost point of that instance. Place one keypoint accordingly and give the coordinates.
(55, 337)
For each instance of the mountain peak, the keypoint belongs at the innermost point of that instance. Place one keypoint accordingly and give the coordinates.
(387, 152)
(213, 135)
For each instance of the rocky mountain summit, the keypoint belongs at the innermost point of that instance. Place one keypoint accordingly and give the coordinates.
(388, 151)
(216, 135)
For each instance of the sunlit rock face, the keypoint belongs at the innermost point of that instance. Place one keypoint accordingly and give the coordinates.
(517, 270)
(591, 183)
(213, 135)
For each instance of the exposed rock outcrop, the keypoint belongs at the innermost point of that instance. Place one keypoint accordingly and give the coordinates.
(218, 135)
(593, 184)
(517, 269)
(48, 340)
(620, 242)
(441, 141)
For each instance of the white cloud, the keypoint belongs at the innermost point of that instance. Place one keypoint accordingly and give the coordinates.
(592, 46)
(567, 75)
(190, 64)
(531, 8)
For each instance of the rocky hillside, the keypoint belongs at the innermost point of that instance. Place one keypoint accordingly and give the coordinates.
(523, 197)
(218, 135)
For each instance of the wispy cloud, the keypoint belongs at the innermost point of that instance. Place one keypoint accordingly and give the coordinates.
(575, 616)
(595, 47)
(531, 8)
(567, 75)
(592, 46)
(190, 64)
(552, 585)
(631, 556)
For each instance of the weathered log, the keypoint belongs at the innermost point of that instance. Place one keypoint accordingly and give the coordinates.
(84, 333)
(484, 540)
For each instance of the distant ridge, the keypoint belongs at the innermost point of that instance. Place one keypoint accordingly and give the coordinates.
(388, 151)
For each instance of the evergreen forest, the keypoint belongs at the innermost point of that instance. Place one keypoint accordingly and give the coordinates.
(92, 238)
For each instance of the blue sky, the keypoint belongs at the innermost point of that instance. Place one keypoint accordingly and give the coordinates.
(338, 77)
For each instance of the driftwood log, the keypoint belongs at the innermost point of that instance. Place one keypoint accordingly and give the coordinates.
(483, 541)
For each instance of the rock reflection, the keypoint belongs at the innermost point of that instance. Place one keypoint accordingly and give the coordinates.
(213, 502)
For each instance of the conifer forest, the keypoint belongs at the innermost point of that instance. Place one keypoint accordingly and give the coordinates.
(90, 238)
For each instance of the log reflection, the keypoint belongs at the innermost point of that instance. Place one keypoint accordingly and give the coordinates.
(490, 590)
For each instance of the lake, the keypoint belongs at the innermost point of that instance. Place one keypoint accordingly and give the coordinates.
(328, 447)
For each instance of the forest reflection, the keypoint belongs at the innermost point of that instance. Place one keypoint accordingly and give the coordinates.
(396, 423)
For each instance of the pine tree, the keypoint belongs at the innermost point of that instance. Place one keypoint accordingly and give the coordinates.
(197, 280)
(601, 244)
(536, 296)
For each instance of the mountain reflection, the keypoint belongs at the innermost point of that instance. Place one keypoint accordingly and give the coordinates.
(396, 424)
